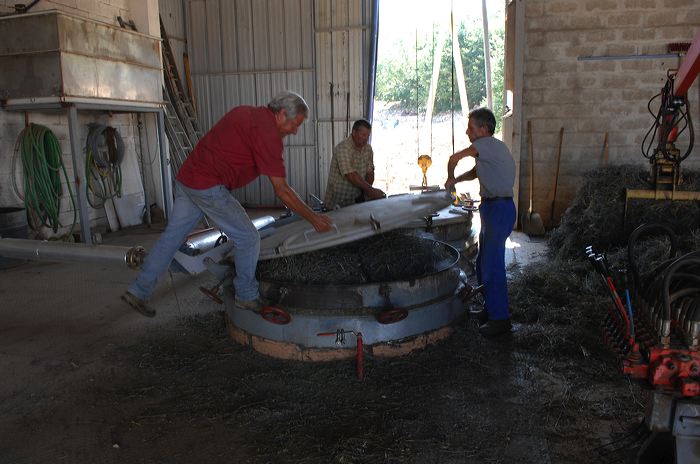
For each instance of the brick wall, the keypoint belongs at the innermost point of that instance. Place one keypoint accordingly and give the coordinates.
(591, 97)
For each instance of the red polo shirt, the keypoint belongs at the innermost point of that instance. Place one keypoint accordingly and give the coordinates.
(243, 145)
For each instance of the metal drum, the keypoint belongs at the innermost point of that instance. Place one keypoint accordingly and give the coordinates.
(452, 225)
(322, 321)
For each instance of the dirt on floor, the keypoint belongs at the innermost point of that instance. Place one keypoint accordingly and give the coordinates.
(186, 393)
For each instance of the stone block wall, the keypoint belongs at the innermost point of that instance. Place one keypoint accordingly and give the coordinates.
(606, 93)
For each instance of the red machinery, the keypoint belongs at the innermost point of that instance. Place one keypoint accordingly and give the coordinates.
(672, 119)
(657, 337)
(657, 332)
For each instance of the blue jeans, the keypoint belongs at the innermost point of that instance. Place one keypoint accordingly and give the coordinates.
(188, 209)
(497, 221)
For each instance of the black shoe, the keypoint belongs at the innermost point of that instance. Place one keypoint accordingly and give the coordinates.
(493, 328)
(482, 317)
(138, 304)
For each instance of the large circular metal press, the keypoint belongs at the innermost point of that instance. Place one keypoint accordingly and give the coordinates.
(394, 291)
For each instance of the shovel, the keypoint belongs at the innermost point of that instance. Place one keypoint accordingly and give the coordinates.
(531, 221)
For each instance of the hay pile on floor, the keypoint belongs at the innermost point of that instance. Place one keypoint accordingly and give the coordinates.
(562, 299)
(380, 258)
(596, 215)
(561, 302)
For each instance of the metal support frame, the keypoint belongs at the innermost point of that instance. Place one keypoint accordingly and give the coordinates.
(165, 166)
(658, 194)
(668, 415)
(689, 69)
(72, 105)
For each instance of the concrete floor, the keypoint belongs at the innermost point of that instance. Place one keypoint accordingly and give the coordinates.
(68, 314)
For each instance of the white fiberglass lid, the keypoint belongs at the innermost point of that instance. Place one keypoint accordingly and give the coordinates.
(352, 223)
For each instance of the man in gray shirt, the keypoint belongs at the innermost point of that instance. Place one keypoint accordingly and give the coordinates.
(495, 170)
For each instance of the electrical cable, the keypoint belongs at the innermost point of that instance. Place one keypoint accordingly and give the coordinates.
(42, 165)
(651, 133)
(19, 8)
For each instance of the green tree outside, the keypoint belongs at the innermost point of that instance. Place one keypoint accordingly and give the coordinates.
(404, 76)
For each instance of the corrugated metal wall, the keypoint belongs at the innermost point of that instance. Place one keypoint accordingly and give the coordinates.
(243, 52)
(173, 15)
(342, 33)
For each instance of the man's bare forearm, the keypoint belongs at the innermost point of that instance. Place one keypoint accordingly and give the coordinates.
(455, 159)
(291, 199)
(469, 175)
(357, 180)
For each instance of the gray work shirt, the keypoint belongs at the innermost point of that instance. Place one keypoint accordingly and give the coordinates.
(495, 168)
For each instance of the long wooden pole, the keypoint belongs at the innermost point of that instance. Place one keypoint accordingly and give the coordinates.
(430, 104)
(487, 55)
(459, 69)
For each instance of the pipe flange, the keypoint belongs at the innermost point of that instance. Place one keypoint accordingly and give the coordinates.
(135, 257)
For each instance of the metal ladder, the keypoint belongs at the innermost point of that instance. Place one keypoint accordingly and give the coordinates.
(180, 144)
(181, 124)
(180, 118)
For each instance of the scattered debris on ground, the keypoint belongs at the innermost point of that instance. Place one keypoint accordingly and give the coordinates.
(551, 392)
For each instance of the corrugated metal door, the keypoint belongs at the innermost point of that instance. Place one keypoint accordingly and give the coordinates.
(342, 35)
(243, 52)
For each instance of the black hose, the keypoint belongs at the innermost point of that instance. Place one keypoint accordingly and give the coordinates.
(104, 152)
(670, 107)
(670, 274)
(648, 229)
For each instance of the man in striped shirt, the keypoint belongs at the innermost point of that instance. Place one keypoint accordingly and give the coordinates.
(352, 169)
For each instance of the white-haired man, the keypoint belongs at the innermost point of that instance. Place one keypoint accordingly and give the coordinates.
(244, 144)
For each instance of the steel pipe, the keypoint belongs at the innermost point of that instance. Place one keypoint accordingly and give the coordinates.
(205, 240)
(71, 252)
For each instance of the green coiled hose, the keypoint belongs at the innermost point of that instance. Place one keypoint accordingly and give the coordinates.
(42, 164)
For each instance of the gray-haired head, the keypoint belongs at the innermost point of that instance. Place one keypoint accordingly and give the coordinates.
(292, 103)
(483, 117)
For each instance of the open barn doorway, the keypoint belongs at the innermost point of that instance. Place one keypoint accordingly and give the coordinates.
(430, 72)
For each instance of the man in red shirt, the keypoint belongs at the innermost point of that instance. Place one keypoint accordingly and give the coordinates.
(244, 144)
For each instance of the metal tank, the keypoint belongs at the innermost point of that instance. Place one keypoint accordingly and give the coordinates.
(452, 225)
(327, 320)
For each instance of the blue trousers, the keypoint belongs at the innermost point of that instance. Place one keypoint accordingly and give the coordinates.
(188, 209)
(497, 221)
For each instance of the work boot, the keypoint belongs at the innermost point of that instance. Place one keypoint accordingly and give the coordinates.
(138, 304)
(493, 328)
(255, 305)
